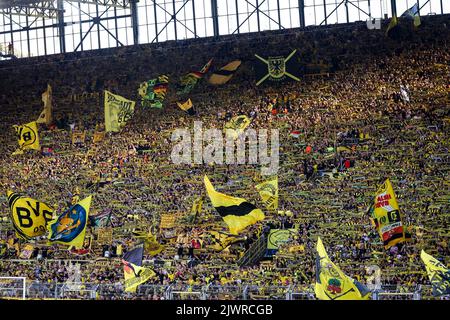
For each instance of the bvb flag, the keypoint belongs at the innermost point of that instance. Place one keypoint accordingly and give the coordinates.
(268, 191)
(133, 272)
(70, 227)
(46, 114)
(118, 110)
(392, 24)
(189, 81)
(221, 240)
(238, 124)
(29, 216)
(277, 68)
(28, 137)
(187, 106)
(225, 73)
(332, 283)
(237, 213)
(386, 216)
(439, 275)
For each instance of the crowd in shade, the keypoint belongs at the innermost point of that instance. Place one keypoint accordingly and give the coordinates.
(353, 130)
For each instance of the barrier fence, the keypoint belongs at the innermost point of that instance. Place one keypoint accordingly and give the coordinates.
(115, 291)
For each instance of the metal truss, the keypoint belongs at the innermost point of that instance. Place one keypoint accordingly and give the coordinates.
(34, 9)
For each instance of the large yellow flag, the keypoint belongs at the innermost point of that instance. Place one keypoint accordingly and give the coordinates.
(268, 191)
(135, 275)
(332, 283)
(28, 137)
(237, 213)
(386, 216)
(221, 240)
(439, 275)
(70, 227)
(46, 114)
(29, 216)
(118, 110)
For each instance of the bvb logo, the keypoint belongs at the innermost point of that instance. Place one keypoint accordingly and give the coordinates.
(269, 189)
(26, 135)
(276, 67)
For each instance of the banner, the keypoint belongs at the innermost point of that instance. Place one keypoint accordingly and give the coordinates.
(268, 191)
(439, 275)
(332, 283)
(46, 114)
(277, 68)
(413, 13)
(277, 237)
(78, 137)
(238, 124)
(29, 216)
(187, 106)
(70, 227)
(189, 81)
(167, 221)
(28, 137)
(133, 272)
(221, 240)
(118, 110)
(225, 73)
(386, 216)
(237, 213)
(99, 136)
(153, 92)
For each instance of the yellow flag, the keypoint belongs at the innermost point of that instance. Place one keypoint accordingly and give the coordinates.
(152, 246)
(268, 191)
(118, 110)
(70, 227)
(238, 124)
(237, 213)
(392, 23)
(28, 137)
(46, 114)
(135, 275)
(186, 105)
(29, 216)
(332, 283)
(439, 275)
(386, 216)
(221, 240)
(197, 206)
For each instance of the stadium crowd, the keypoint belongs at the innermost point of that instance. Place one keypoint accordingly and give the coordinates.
(355, 130)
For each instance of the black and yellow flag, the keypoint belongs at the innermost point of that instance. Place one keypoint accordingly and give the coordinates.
(237, 213)
(277, 68)
(29, 217)
(238, 124)
(439, 275)
(46, 114)
(28, 137)
(134, 273)
(221, 240)
(268, 191)
(332, 283)
(225, 73)
(118, 110)
(187, 106)
(386, 217)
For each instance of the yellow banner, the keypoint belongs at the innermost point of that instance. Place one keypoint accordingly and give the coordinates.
(46, 114)
(29, 216)
(118, 110)
(269, 193)
(28, 137)
(135, 275)
(439, 275)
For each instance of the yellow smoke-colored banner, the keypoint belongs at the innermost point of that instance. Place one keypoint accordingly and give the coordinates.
(332, 283)
(46, 114)
(268, 191)
(28, 137)
(237, 213)
(439, 275)
(118, 110)
(135, 275)
(29, 216)
(70, 227)
(386, 216)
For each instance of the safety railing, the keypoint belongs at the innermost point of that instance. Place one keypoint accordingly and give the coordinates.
(91, 291)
